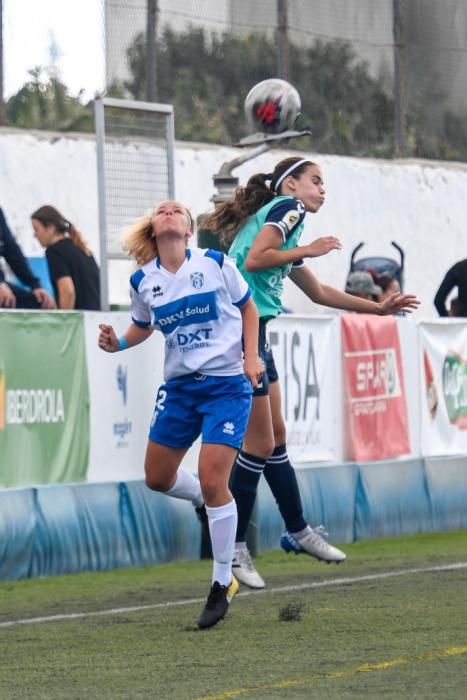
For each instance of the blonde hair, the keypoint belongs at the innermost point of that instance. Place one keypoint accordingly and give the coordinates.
(138, 241)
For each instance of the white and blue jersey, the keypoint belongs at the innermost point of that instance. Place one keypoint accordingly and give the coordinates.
(197, 310)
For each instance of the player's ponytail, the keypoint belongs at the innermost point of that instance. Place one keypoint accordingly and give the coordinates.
(228, 217)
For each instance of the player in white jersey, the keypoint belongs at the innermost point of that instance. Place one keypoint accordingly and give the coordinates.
(203, 307)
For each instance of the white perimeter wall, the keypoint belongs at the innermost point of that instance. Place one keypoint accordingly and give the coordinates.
(421, 205)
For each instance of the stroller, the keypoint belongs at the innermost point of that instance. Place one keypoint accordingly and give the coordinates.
(382, 269)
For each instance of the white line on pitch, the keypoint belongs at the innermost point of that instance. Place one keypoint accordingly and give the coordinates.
(244, 594)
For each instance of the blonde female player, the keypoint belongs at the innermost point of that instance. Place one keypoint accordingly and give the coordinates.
(203, 306)
(265, 222)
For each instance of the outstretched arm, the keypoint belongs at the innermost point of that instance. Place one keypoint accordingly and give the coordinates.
(133, 335)
(325, 295)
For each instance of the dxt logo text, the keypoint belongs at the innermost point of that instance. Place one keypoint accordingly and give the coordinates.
(197, 337)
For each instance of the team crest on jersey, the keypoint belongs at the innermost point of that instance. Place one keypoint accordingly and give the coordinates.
(197, 279)
(290, 219)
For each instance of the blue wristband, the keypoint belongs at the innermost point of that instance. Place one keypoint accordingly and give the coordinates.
(122, 343)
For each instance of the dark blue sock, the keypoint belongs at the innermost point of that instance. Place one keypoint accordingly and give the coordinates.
(246, 474)
(282, 481)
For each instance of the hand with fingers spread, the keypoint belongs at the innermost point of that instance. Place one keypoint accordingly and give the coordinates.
(399, 303)
(321, 246)
(107, 339)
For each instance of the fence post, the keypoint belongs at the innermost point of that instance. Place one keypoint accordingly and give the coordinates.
(399, 80)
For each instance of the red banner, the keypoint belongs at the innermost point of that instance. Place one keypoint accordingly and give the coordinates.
(376, 412)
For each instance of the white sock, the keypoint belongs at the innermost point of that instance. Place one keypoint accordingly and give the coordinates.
(222, 527)
(187, 487)
(301, 533)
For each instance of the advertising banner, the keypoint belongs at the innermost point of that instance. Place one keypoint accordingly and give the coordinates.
(306, 353)
(376, 413)
(123, 389)
(44, 400)
(443, 382)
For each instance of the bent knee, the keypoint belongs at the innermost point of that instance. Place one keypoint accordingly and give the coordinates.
(157, 482)
(260, 448)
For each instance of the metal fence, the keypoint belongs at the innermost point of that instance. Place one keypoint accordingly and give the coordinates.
(417, 49)
(135, 145)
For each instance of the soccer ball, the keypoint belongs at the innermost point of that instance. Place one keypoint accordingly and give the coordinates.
(272, 106)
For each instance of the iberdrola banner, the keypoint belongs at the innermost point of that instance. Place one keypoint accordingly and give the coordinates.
(44, 398)
(376, 412)
(443, 362)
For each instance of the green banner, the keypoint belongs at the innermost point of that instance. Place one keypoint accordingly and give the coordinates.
(455, 388)
(44, 398)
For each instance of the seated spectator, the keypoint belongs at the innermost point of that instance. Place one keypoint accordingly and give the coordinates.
(456, 276)
(361, 284)
(73, 269)
(13, 296)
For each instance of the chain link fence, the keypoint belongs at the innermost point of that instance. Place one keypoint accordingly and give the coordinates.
(416, 51)
(135, 144)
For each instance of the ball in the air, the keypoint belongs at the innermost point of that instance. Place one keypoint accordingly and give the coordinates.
(272, 106)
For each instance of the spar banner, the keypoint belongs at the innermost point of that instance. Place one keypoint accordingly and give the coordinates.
(443, 363)
(44, 401)
(305, 352)
(376, 425)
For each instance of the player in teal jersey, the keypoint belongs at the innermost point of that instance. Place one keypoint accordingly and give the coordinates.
(263, 223)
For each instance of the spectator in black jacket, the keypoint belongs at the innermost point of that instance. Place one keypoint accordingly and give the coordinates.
(456, 276)
(11, 295)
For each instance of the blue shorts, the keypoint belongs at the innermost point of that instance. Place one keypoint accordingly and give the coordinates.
(217, 408)
(270, 372)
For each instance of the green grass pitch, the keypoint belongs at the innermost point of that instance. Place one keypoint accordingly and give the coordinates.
(389, 623)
